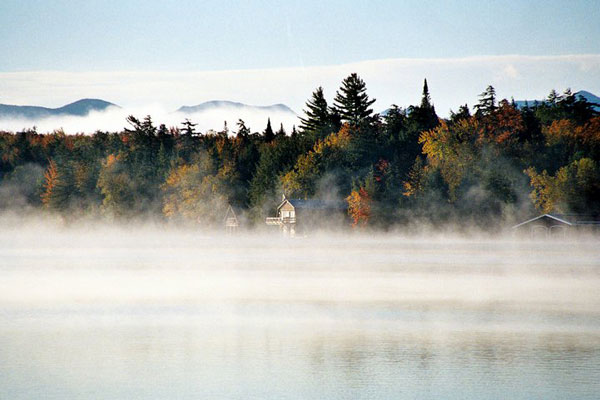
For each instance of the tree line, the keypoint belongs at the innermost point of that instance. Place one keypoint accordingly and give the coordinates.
(406, 165)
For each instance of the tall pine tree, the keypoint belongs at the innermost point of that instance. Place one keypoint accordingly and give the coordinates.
(426, 99)
(269, 135)
(189, 128)
(243, 131)
(352, 102)
(281, 131)
(487, 102)
(317, 118)
(423, 117)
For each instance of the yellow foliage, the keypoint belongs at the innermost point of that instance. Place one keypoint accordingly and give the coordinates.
(567, 187)
(192, 194)
(116, 186)
(452, 149)
(300, 180)
(51, 180)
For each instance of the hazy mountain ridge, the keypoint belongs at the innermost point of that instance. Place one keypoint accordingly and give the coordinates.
(90, 115)
(79, 108)
(83, 107)
(219, 104)
(590, 97)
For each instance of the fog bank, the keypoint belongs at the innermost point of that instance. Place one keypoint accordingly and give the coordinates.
(48, 266)
(114, 120)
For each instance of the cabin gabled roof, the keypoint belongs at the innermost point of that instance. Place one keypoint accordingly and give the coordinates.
(230, 215)
(543, 216)
(566, 219)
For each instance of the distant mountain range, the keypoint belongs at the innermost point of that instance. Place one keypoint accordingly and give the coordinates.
(83, 107)
(79, 108)
(231, 105)
(590, 97)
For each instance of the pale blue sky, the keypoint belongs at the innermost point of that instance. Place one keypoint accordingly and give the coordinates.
(153, 56)
(155, 35)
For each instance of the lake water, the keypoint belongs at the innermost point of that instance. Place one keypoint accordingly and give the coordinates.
(165, 314)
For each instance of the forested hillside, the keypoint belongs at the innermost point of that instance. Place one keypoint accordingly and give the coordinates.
(486, 167)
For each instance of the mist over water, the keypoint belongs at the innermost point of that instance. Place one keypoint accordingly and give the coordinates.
(152, 312)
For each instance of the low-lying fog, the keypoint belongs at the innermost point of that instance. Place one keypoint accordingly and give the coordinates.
(123, 312)
(114, 120)
(100, 265)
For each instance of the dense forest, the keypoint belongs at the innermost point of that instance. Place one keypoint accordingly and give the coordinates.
(495, 164)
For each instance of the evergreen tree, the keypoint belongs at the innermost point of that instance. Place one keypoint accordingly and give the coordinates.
(462, 114)
(268, 133)
(352, 101)
(394, 121)
(553, 97)
(281, 131)
(225, 131)
(336, 120)
(317, 113)
(423, 117)
(487, 102)
(189, 127)
(243, 131)
(426, 99)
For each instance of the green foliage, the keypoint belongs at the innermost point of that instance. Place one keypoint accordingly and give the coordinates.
(352, 102)
(22, 187)
(487, 102)
(404, 166)
(275, 159)
(565, 106)
(243, 131)
(268, 133)
(319, 121)
(462, 114)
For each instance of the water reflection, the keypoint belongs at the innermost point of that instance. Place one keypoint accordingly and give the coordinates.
(105, 319)
(154, 359)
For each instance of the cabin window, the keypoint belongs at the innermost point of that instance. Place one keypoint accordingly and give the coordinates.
(287, 214)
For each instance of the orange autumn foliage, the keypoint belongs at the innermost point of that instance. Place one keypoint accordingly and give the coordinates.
(504, 126)
(587, 134)
(359, 207)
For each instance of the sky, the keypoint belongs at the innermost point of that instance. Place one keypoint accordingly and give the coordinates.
(171, 53)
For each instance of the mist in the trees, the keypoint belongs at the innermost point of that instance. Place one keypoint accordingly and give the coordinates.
(499, 165)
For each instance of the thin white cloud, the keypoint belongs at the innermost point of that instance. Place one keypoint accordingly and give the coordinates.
(452, 82)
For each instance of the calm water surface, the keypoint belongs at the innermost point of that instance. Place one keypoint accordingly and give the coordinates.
(132, 314)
